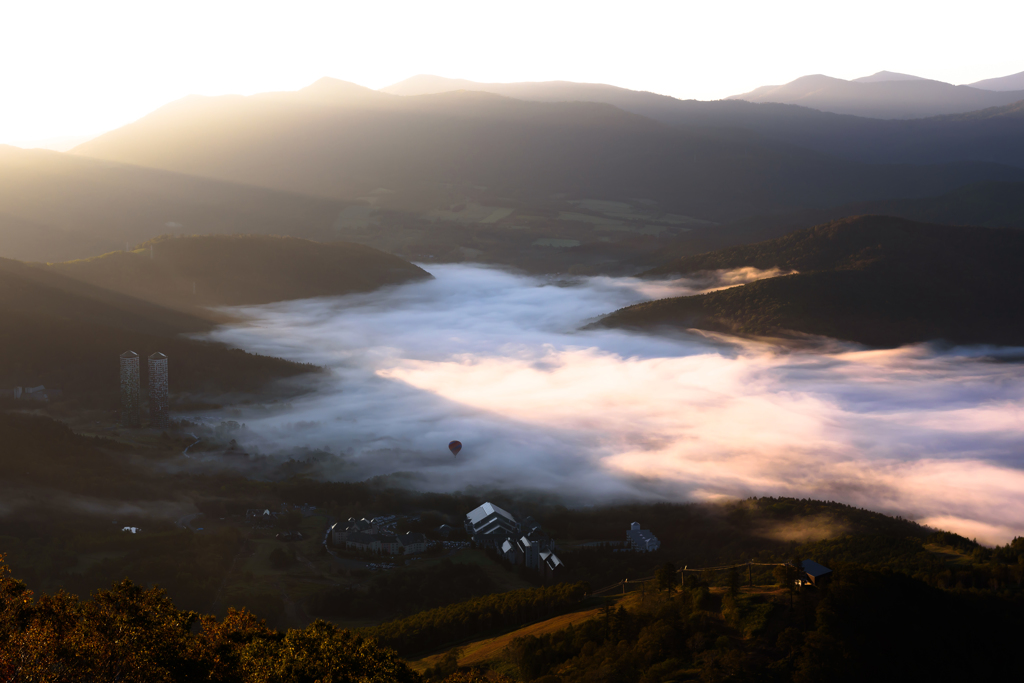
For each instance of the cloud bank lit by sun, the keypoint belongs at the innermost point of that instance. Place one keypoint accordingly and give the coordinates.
(496, 360)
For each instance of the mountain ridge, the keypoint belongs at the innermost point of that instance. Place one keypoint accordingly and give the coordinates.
(884, 99)
(427, 150)
(876, 280)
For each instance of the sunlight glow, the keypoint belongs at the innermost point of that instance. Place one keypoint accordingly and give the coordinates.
(73, 69)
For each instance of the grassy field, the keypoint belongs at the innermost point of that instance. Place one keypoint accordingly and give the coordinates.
(489, 651)
(950, 555)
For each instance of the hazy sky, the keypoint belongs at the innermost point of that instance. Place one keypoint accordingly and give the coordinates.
(75, 68)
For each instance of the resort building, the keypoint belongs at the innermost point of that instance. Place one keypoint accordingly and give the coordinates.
(642, 540)
(489, 520)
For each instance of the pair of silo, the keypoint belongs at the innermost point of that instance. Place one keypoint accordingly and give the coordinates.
(159, 401)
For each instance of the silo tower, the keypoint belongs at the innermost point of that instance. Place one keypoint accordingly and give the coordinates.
(159, 402)
(130, 389)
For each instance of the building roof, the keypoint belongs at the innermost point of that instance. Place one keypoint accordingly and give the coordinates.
(551, 559)
(157, 356)
(129, 354)
(814, 569)
(481, 513)
(643, 534)
(506, 546)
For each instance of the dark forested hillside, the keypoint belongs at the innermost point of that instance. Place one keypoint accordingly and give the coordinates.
(222, 270)
(136, 635)
(878, 280)
(65, 334)
(990, 205)
(56, 207)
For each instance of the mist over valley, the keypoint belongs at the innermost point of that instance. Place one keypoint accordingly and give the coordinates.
(581, 367)
(499, 361)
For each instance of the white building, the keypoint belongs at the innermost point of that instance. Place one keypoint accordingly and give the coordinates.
(412, 542)
(642, 540)
(550, 566)
(490, 520)
(159, 401)
(530, 551)
(510, 551)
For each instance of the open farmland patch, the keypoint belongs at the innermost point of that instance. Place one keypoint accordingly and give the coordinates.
(553, 242)
(498, 214)
(602, 221)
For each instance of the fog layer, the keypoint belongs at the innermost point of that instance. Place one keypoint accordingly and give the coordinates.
(498, 361)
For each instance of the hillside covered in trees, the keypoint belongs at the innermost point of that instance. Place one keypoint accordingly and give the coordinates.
(877, 280)
(229, 270)
(62, 489)
(988, 205)
(66, 334)
(137, 635)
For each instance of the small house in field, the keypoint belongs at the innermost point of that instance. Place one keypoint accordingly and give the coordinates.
(817, 574)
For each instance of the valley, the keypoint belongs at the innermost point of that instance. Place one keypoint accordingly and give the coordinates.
(313, 371)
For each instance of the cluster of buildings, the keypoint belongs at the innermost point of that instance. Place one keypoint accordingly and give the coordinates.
(376, 536)
(519, 543)
(263, 517)
(159, 400)
(40, 393)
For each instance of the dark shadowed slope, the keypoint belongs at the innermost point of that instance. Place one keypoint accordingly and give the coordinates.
(66, 334)
(885, 99)
(990, 205)
(222, 270)
(878, 280)
(56, 207)
(341, 141)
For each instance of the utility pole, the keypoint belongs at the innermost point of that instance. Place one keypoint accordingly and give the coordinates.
(750, 574)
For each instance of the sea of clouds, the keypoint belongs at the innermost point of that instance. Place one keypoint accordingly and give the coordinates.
(499, 361)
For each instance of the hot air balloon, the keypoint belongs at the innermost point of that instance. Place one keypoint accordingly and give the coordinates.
(455, 447)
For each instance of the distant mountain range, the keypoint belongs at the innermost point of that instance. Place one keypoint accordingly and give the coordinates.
(1012, 82)
(341, 141)
(883, 96)
(992, 135)
(882, 76)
